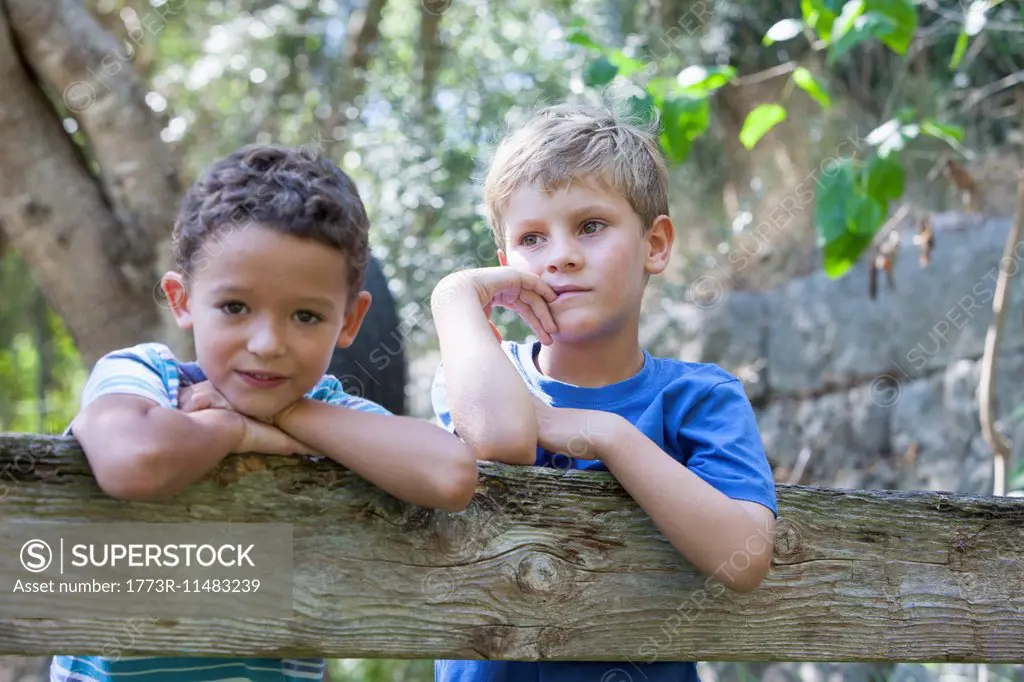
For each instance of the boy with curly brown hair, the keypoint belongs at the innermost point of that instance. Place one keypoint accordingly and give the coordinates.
(271, 245)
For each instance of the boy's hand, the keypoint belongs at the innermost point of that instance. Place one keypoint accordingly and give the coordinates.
(526, 294)
(573, 432)
(201, 396)
(257, 436)
(269, 440)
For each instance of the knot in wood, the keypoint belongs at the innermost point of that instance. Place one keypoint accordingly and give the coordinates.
(541, 574)
(787, 538)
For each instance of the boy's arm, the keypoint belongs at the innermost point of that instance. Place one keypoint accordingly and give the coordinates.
(729, 536)
(409, 458)
(141, 451)
(491, 408)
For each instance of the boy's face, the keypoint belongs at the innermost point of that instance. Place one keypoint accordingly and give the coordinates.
(587, 243)
(266, 311)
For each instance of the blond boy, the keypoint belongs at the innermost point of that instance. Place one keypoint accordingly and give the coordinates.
(578, 205)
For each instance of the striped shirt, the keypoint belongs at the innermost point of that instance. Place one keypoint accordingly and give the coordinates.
(150, 370)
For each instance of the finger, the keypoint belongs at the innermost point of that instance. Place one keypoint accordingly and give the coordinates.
(536, 284)
(200, 401)
(526, 312)
(541, 310)
(189, 404)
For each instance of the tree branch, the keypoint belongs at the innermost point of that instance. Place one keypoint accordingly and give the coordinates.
(1001, 448)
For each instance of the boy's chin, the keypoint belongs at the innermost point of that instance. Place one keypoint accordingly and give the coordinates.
(257, 407)
(582, 329)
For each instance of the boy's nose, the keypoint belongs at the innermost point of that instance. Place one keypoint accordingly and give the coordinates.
(266, 340)
(566, 255)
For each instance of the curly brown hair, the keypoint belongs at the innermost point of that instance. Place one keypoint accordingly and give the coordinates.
(288, 190)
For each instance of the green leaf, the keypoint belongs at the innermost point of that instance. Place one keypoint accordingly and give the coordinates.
(846, 19)
(883, 179)
(834, 187)
(818, 17)
(805, 81)
(580, 38)
(906, 114)
(959, 51)
(903, 13)
(893, 22)
(599, 72)
(866, 26)
(661, 88)
(760, 121)
(783, 30)
(683, 120)
(864, 214)
(700, 81)
(841, 254)
(642, 108)
(627, 65)
(949, 133)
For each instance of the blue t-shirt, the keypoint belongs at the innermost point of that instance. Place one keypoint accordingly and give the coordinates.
(697, 413)
(151, 371)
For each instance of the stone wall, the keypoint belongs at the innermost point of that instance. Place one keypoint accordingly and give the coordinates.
(858, 393)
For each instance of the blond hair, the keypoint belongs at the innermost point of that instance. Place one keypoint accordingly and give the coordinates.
(563, 144)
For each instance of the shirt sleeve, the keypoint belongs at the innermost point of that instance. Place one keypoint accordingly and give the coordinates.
(439, 401)
(724, 445)
(329, 390)
(146, 370)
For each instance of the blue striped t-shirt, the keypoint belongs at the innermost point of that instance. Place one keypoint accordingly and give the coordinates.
(150, 370)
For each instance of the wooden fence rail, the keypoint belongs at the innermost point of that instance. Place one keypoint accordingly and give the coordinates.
(555, 565)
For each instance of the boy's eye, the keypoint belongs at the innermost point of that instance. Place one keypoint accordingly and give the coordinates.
(308, 317)
(592, 226)
(233, 307)
(529, 240)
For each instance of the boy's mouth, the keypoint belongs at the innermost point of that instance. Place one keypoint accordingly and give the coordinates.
(262, 379)
(567, 289)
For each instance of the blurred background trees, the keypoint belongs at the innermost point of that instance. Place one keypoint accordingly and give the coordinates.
(409, 97)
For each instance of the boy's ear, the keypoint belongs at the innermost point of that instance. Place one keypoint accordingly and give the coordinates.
(176, 290)
(502, 258)
(354, 319)
(659, 241)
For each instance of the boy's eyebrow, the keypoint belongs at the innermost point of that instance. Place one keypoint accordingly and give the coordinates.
(318, 302)
(234, 290)
(577, 214)
(593, 208)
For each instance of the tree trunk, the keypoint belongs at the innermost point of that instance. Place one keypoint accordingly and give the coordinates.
(97, 274)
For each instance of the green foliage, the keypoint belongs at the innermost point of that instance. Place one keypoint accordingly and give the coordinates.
(852, 203)
(806, 81)
(763, 118)
(40, 370)
(377, 670)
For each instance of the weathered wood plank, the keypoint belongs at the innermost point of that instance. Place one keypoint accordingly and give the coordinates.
(554, 565)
